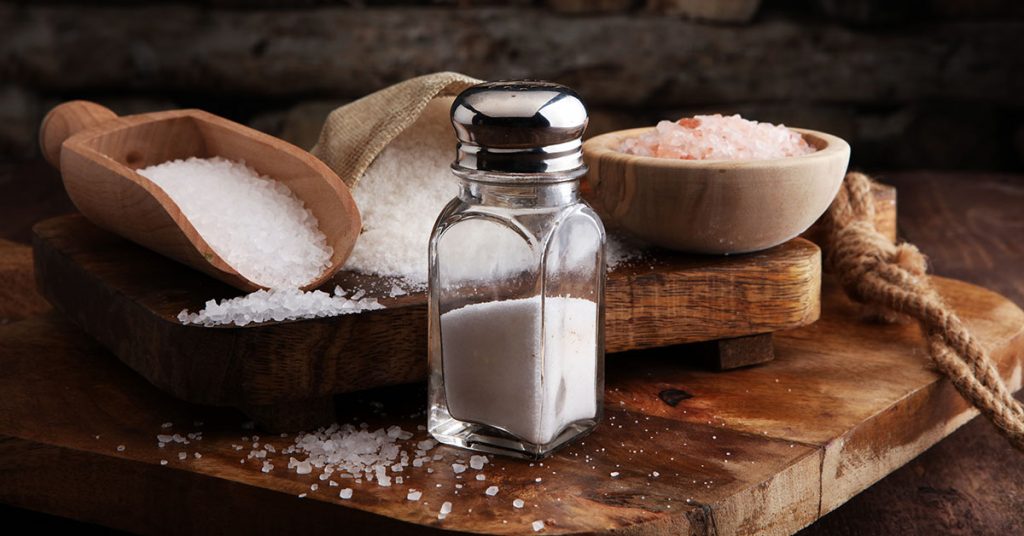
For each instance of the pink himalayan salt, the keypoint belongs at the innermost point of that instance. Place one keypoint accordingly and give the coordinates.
(714, 137)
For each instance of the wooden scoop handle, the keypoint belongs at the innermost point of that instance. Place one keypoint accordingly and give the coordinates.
(66, 120)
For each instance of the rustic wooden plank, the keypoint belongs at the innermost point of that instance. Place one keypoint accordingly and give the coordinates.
(18, 296)
(747, 448)
(129, 299)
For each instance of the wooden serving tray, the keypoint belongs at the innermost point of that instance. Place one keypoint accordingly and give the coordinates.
(284, 373)
(760, 450)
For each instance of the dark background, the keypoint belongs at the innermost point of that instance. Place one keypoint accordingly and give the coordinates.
(911, 84)
(928, 92)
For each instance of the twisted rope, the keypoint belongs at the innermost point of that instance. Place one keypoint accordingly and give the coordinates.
(890, 280)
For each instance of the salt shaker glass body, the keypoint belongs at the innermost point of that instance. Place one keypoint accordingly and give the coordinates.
(517, 278)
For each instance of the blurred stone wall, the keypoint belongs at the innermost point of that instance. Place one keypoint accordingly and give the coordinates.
(911, 84)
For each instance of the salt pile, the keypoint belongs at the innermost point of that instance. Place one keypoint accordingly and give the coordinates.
(359, 453)
(401, 194)
(255, 223)
(278, 305)
(714, 137)
(547, 364)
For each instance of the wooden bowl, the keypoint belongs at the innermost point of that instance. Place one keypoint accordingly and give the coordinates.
(712, 206)
(98, 154)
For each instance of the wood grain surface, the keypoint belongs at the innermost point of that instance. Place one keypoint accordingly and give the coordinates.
(18, 298)
(129, 299)
(100, 152)
(970, 226)
(761, 450)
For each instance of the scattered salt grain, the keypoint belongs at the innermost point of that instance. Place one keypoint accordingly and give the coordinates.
(518, 503)
(714, 137)
(481, 476)
(120, 448)
(182, 455)
(163, 462)
(614, 474)
(458, 468)
(255, 223)
(167, 425)
(477, 462)
(275, 305)
(346, 493)
(414, 495)
(197, 455)
(537, 526)
(446, 508)
(491, 491)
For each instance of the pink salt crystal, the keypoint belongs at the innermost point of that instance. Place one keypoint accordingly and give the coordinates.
(717, 137)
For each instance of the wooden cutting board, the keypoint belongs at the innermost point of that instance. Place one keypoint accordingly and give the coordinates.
(760, 450)
(284, 373)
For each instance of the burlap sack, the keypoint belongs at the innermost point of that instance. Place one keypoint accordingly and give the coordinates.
(356, 133)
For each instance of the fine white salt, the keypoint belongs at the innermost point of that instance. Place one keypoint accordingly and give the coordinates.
(276, 305)
(714, 137)
(548, 372)
(255, 223)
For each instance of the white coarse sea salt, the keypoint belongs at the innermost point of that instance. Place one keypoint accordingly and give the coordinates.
(542, 366)
(518, 503)
(717, 137)
(491, 491)
(477, 462)
(414, 495)
(276, 305)
(353, 452)
(446, 508)
(401, 194)
(346, 493)
(537, 526)
(255, 223)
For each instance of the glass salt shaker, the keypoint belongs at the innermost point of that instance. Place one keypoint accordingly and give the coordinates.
(517, 275)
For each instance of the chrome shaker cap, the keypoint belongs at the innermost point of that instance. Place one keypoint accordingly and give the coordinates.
(521, 126)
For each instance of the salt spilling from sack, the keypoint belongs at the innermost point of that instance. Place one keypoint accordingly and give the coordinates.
(714, 137)
(277, 305)
(506, 339)
(255, 223)
(403, 191)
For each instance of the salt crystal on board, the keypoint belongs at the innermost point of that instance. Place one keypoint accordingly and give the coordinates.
(414, 495)
(491, 491)
(518, 503)
(537, 526)
(346, 493)
(275, 305)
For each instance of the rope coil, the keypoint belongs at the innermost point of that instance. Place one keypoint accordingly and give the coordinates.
(890, 279)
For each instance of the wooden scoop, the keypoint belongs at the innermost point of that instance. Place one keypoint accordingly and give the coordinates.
(98, 154)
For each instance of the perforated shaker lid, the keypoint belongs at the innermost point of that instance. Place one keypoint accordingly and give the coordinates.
(521, 126)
